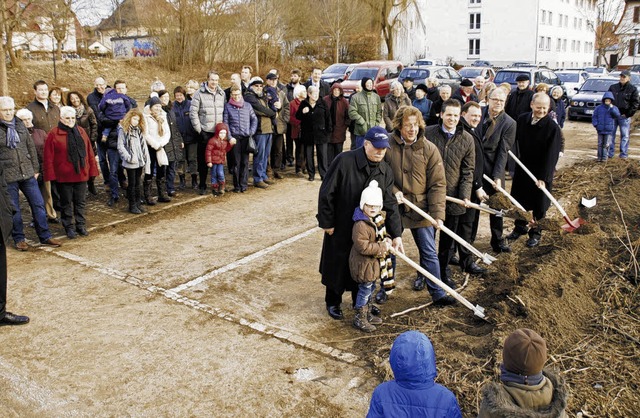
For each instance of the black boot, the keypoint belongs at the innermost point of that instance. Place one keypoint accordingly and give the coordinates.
(150, 201)
(92, 186)
(194, 181)
(183, 182)
(162, 197)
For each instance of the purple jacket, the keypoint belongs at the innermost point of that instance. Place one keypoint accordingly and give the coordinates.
(242, 121)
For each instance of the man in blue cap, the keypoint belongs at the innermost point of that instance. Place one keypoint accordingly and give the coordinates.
(349, 173)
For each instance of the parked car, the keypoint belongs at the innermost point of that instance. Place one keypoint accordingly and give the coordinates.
(334, 72)
(537, 75)
(589, 96)
(481, 63)
(634, 68)
(635, 78)
(429, 62)
(572, 80)
(521, 64)
(381, 72)
(473, 72)
(444, 74)
(596, 70)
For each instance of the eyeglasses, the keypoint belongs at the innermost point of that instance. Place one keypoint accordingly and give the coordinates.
(7, 110)
(497, 100)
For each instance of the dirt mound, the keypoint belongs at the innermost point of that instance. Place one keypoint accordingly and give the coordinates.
(577, 290)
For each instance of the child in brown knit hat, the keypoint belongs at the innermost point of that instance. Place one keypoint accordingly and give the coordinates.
(525, 389)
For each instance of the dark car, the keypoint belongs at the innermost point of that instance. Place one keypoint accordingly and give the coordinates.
(537, 75)
(481, 63)
(334, 72)
(444, 74)
(584, 102)
(635, 78)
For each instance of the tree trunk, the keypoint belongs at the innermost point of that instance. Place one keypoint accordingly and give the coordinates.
(4, 84)
(336, 58)
(15, 63)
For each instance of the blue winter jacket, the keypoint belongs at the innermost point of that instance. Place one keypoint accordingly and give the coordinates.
(424, 105)
(181, 110)
(242, 121)
(604, 117)
(413, 393)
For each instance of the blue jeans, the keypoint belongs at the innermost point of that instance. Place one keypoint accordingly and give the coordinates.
(425, 239)
(604, 142)
(31, 191)
(365, 290)
(625, 127)
(261, 157)
(217, 174)
(114, 163)
(102, 159)
(359, 141)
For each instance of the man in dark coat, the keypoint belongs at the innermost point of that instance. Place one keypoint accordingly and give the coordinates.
(465, 93)
(409, 88)
(458, 155)
(339, 195)
(498, 137)
(316, 81)
(93, 99)
(539, 141)
(626, 99)
(519, 100)
(468, 227)
(6, 224)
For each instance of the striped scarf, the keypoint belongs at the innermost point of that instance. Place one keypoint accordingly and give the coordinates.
(386, 267)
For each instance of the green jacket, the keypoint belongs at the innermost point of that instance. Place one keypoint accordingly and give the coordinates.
(365, 110)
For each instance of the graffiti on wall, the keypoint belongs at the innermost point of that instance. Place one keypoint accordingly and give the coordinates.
(134, 47)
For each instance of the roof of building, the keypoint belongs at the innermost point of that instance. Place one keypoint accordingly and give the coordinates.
(135, 13)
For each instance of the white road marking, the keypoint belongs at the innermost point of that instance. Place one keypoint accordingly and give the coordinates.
(243, 261)
(268, 329)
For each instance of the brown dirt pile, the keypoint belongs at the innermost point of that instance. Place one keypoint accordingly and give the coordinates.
(575, 289)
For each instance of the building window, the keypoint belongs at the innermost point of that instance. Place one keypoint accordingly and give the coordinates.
(560, 20)
(566, 21)
(475, 1)
(474, 21)
(550, 18)
(636, 14)
(573, 46)
(474, 47)
(541, 43)
(575, 23)
(564, 45)
(548, 47)
(543, 19)
(578, 46)
(559, 45)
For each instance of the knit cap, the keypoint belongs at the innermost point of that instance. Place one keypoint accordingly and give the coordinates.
(371, 195)
(525, 352)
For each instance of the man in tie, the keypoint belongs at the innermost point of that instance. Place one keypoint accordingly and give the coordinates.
(316, 81)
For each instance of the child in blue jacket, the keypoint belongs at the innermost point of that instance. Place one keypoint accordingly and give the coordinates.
(603, 119)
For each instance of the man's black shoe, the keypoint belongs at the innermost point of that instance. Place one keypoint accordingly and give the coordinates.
(502, 247)
(514, 235)
(381, 297)
(418, 285)
(444, 301)
(12, 319)
(112, 201)
(473, 268)
(82, 231)
(449, 282)
(533, 242)
(375, 310)
(455, 260)
(335, 312)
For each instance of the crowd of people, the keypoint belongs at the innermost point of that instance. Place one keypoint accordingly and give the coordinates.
(421, 144)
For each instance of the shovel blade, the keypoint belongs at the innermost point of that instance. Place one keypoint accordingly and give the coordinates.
(572, 225)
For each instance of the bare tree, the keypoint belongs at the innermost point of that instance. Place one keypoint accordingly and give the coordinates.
(602, 22)
(336, 19)
(387, 16)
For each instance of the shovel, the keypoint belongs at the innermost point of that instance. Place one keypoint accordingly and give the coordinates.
(571, 225)
(504, 192)
(480, 207)
(486, 258)
(477, 310)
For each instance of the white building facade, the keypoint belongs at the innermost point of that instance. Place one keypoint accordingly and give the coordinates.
(628, 29)
(556, 33)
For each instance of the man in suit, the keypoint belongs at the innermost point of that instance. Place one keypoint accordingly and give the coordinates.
(6, 224)
(315, 80)
(498, 137)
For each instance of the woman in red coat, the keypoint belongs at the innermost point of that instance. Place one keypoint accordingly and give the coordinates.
(339, 110)
(299, 94)
(70, 162)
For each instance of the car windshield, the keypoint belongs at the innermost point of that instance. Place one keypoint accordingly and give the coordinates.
(360, 73)
(414, 73)
(425, 62)
(569, 77)
(508, 76)
(336, 69)
(635, 78)
(594, 70)
(470, 72)
(593, 84)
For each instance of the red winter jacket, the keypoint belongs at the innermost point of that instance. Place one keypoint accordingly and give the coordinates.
(56, 165)
(217, 148)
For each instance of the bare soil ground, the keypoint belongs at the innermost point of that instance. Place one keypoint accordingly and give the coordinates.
(213, 307)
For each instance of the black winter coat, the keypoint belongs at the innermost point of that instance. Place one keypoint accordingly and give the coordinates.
(496, 143)
(349, 173)
(181, 112)
(315, 125)
(458, 156)
(538, 146)
(175, 146)
(6, 210)
(325, 88)
(20, 163)
(434, 113)
(626, 98)
(518, 103)
(479, 161)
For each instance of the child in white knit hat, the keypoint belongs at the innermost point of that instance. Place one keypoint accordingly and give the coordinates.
(369, 258)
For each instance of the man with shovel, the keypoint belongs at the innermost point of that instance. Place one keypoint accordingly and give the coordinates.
(419, 177)
(539, 141)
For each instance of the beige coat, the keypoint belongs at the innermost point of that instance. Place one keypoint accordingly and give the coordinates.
(418, 173)
(364, 259)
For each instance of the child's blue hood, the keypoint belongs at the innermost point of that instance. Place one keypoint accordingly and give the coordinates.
(413, 360)
(358, 215)
(608, 95)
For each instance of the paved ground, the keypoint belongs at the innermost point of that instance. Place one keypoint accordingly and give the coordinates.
(203, 307)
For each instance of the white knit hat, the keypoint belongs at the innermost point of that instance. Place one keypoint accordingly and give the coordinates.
(371, 195)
